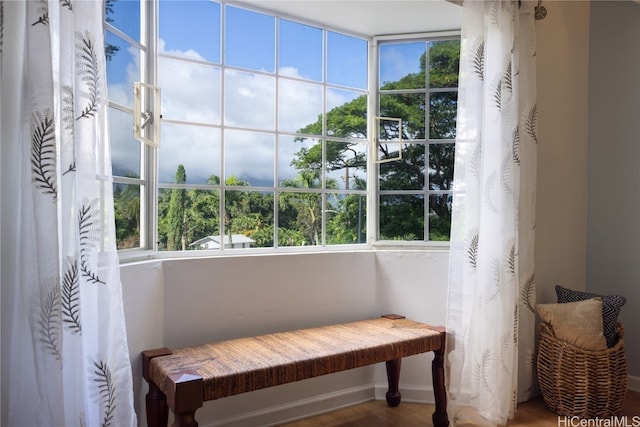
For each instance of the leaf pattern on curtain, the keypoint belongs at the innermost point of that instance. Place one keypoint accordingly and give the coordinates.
(516, 146)
(532, 123)
(89, 232)
(478, 58)
(528, 294)
(88, 70)
(43, 16)
(472, 248)
(43, 152)
(70, 297)
(106, 392)
(49, 322)
(490, 326)
(68, 332)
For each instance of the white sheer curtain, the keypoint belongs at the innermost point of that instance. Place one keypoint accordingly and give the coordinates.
(490, 320)
(63, 319)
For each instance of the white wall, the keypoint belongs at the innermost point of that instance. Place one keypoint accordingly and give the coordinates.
(613, 256)
(562, 81)
(185, 302)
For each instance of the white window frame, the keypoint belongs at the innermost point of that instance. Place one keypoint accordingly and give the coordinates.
(148, 180)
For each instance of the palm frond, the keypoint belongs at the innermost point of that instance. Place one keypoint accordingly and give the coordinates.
(478, 58)
(476, 161)
(71, 298)
(516, 145)
(68, 108)
(511, 258)
(89, 71)
(497, 95)
(48, 331)
(472, 249)
(528, 293)
(67, 4)
(482, 370)
(506, 176)
(43, 152)
(88, 229)
(532, 123)
(43, 17)
(106, 391)
(508, 78)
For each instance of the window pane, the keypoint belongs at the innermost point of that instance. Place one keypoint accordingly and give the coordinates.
(299, 162)
(407, 173)
(346, 219)
(249, 157)
(126, 205)
(123, 68)
(441, 162)
(299, 219)
(249, 100)
(444, 61)
(125, 149)
(402, 217)
(299, 107)
(300, 51)
(250, 40)
(189, 91)
(248, 219)
(196, 148)
(442, 113)
(346, 60)
(200, 39)
(440, 217)
(402, 65)
(125, 16)
(347, 114)
(408, 107)
(346, 165)
(186, 218)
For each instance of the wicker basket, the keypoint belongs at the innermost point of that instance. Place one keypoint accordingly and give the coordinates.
(582, 383)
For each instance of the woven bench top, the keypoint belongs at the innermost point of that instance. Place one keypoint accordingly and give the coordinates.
(246, 364)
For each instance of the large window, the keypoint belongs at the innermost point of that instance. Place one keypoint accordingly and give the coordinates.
(268, 135)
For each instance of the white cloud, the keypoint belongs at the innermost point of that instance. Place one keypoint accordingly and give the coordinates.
(191, 92)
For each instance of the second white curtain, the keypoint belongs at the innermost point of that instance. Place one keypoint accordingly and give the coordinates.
(490, 320)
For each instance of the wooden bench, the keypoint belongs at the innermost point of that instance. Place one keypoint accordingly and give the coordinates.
(182, 379)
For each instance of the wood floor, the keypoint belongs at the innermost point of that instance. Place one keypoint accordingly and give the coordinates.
(377, 414)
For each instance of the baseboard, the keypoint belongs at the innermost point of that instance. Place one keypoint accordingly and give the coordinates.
(416, 394)
(298, 409)
(634, 383)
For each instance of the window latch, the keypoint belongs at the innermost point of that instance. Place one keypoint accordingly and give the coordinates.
(146, 111)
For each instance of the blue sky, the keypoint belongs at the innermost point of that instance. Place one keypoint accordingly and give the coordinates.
(190, 90)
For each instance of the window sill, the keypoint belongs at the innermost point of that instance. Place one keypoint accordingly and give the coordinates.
(133, 256)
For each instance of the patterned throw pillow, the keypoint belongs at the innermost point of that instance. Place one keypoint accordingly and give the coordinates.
(611, 305)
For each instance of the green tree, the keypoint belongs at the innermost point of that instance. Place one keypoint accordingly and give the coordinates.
(127, 215)
(177, 215)
(400, 216)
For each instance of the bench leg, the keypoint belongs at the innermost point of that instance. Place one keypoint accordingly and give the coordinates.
(157, 409)
(440, 417)
(184, 396)
(156, 403)
(393, 377)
